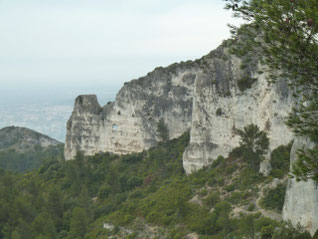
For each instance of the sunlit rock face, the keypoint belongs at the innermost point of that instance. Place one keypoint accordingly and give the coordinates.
(222, 105)
(129, 124)
(301, 200)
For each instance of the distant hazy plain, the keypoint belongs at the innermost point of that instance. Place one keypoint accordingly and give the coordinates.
(47, 109)
(54, 50)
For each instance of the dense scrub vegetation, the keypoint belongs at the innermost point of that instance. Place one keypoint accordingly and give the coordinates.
(29, 159)
(145, 195)
(283, 36)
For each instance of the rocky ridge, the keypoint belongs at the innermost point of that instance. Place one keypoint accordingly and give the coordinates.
(212, 97)
(21, 139)
(129, 124)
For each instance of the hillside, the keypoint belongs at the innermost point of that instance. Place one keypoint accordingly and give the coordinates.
(147, 195)
(23, 149)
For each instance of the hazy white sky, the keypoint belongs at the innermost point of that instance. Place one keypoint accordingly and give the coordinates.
(58, 44)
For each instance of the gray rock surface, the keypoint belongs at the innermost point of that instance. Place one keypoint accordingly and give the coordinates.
(220, 107)
(213, 96)
(301, 199)
(129, 124)
(205, 95)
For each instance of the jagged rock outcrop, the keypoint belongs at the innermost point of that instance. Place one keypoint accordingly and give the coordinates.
(22, 139)
(227, 98)
(213, 96)
(129, 124)
(301, 199)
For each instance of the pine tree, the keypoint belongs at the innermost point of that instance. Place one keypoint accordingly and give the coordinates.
(283, 34)
(254, 144)
(43, 226)
(55, 205)
(79, 222)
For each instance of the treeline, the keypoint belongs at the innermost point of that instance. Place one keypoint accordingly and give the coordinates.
(74, 199)
(30, 159)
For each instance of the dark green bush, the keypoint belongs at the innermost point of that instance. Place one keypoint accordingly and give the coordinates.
(218, 112)
(280, 161)
(230, 188)
(212, 199)
(245, 83)
(274, 198)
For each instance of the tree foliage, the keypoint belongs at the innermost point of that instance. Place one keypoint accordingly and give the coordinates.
(253, 145)
(162, 130)
(284, 36)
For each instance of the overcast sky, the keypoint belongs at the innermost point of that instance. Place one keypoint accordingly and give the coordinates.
(93, 46)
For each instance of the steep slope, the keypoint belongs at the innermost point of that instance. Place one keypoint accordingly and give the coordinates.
(144, 195)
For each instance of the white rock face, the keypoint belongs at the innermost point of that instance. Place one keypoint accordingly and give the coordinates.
(202, 95)
(220, 107)
(130, 123)
(212, 96)
(301, 199)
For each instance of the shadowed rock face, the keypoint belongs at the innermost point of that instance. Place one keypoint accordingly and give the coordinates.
(301, 200)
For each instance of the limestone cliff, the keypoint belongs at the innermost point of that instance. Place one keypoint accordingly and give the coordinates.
(301, 200)
(129, 124)
(227, 98)
(213, 96)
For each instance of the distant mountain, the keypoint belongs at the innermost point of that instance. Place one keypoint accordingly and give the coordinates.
(22, 149)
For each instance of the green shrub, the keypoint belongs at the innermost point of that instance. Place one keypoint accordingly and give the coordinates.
(104, 191)
(230, 188)
(206, 224)
(235, 198)
(248, 178)
(280, 161)
(274, 198)
(220, 160)
(251, 207)
(203, 192)
(218, 112)
(245, 83)
(212, 199)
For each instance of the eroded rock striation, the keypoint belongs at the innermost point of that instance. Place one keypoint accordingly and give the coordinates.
(227, 98)
(129, 124)
(301, 199)
(212, 96)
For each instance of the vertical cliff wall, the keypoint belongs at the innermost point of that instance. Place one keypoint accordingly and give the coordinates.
(213, 96)
(301, 200)
(227, 98)
(129, 124)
